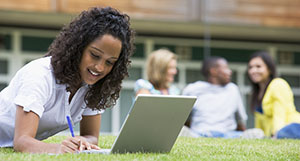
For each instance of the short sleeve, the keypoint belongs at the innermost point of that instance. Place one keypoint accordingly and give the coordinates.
(142, 84)
(32, 86)
(32, 95)
(90, 112)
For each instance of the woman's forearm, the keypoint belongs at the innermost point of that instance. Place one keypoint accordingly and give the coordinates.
(31, 145)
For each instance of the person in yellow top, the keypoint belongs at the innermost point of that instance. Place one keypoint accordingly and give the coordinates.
(272, 99)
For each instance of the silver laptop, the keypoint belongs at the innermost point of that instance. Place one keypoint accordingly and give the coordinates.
(152, 125)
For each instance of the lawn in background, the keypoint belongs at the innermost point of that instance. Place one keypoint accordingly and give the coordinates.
(184, 149)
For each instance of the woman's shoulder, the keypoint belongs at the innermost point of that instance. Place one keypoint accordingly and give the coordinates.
(278, 82)
(36, 70)
(40, 66)
(143, 83)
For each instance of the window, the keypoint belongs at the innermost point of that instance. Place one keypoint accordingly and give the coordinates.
(139, 51)
(134, 73)
(197, 53)
(3, 66)
(5, 41)
(193, 75)
(246, 79)
(293, 80)
(297, 58)
(2, 86)
(169, 47)
(38, 44)
(234, 77)
(233, 55)
(297, 103)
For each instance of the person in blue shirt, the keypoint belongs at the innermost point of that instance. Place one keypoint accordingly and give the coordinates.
(161, 69)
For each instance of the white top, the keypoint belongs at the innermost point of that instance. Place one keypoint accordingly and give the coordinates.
(215, 107)
(34, 87)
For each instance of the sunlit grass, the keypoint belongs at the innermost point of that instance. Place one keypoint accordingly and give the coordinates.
(184, 149)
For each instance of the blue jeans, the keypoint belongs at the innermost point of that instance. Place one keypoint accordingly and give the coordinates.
(217, 134)
(291, 131)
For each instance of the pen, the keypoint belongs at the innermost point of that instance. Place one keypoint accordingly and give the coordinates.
(72, 132)
(70, 126)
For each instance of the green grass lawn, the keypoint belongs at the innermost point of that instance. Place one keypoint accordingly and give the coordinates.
(184, 149)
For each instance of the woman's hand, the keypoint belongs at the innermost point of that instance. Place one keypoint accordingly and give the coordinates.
(76, 144)
(26, 126)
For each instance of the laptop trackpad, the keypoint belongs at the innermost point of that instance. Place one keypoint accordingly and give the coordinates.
(101, 151)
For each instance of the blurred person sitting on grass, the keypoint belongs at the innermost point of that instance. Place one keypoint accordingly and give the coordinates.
(161, 69)
(272, 99)
(218, 102)
(79, 77)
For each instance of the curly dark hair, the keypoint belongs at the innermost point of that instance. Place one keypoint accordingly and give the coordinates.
(67, 49)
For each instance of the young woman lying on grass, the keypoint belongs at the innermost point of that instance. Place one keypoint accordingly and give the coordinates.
(80, 76)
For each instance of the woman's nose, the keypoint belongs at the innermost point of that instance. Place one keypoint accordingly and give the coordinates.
(100, 66)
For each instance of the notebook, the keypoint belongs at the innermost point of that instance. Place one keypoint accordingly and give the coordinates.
(152, 125)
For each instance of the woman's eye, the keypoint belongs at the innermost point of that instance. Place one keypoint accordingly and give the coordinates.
(110, 63)
(94, 55)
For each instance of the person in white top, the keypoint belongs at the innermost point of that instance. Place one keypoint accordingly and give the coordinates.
(79, 77)
(218, 102)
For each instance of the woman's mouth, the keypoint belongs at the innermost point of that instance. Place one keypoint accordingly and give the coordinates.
(94, 73)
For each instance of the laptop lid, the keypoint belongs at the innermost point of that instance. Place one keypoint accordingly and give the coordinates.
(153, 123)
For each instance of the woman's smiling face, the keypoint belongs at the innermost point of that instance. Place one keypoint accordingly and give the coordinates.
(258, 70)
(98, 58)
